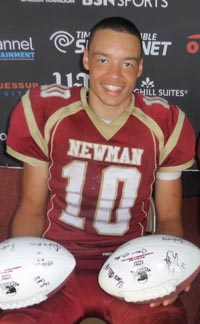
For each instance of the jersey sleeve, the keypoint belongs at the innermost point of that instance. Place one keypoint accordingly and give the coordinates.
(33, 119)
(172, 130)
(25, 139)
(179, 149)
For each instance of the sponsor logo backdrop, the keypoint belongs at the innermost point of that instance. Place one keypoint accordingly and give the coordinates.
(42, 41)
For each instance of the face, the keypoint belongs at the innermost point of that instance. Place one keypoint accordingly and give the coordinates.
(114, 64)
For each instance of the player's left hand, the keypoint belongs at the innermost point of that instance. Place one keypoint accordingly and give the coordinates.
(169, 301)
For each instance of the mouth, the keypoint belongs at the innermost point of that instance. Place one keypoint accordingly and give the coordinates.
(112, 88)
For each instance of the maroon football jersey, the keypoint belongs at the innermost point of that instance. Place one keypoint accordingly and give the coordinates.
(101, 175)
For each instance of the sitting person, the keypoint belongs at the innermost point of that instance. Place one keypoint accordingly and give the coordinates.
(92, 158)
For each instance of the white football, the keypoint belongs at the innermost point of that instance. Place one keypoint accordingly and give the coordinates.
(150, 268)
(31, 269)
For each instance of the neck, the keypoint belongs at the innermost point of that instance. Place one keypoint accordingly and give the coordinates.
(105, 111)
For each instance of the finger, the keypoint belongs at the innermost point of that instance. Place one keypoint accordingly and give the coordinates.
(154, 304)
(187, 288)
(166, 302)
(169, 301)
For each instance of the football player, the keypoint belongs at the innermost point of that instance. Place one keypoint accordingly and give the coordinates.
(92, 160)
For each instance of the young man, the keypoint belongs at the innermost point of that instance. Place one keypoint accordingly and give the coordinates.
(92, 159)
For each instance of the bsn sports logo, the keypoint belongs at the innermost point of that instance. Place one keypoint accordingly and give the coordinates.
(126, 3)
(63, 39)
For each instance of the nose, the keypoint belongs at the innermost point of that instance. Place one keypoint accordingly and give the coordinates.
(114, 70)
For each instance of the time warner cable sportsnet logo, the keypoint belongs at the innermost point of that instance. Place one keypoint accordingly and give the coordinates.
(17, 49)
(147, 87)
(63, 39)
(153, 46)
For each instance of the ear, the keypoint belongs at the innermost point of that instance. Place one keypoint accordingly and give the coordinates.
(86, 59)
(140, 68)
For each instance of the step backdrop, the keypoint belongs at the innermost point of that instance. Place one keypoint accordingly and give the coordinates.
(42, 41)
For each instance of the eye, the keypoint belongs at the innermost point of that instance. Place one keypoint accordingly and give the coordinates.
(103, 60)
(128, 64)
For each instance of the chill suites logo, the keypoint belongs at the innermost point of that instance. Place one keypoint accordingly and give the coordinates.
(148, 88)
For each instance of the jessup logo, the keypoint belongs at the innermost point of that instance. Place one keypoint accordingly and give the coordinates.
(193, 45)
(15, 89)
(62, 40)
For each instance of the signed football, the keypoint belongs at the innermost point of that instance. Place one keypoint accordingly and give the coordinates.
(150, 268)
(31, 269)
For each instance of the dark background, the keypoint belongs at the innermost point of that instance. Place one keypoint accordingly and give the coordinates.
(47, 37)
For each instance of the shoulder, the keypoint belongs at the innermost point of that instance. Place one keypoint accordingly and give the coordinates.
(54, 93)
(159, 114)
(165, 114)
(155, 105)
(43, 101)
(40, 104)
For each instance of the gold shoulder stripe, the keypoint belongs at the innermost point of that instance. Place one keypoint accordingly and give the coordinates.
(180, 167)
(25, 158)
(173, 139)
(152, 125)
(59, 115)
(32, 125)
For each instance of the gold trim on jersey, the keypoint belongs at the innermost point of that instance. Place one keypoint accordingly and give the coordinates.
(106, 130)
(25, 158)
(59, 115)
(152, 125)
(174, 137)
(32, 125)
(53, 119)
(109, 130)
(179, 167)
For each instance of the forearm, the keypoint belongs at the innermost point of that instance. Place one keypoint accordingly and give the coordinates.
(27, 223)
(173, 227)
(168, 202)
(30, 216)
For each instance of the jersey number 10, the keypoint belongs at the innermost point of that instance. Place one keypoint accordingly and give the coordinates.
(111, 176)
